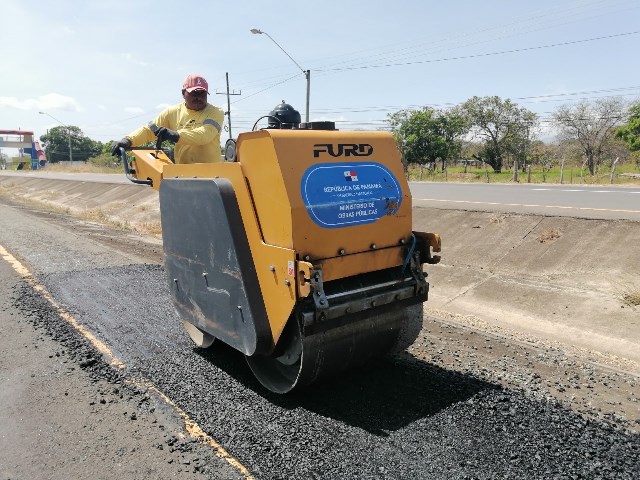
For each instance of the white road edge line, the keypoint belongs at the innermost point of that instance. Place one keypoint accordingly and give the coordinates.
(526, 205)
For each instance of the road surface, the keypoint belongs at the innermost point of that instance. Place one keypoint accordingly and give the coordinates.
(464, 402)
(599, 202)
(578, 201)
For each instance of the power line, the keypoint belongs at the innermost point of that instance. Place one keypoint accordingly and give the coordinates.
(557, 97)
(572, 12)
(268, 88)
(328, 71)
(457, 35)
(466, 38)
(480, 55)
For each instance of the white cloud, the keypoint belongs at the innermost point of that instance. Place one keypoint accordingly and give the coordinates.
(134, 110)
(130, 58)
(50, 101)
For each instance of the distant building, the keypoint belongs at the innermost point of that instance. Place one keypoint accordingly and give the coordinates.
(23, 140)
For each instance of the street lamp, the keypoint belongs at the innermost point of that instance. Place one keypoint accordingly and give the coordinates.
(307, 73)
(68, 131)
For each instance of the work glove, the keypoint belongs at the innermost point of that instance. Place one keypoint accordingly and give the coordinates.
(167, 134)
(124, 143)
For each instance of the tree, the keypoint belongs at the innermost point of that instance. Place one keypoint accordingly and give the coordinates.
(592, 125)
(630, 131)
(504, 128)
(616, 149)
(428, 135)
(56, 144)
(539, 153)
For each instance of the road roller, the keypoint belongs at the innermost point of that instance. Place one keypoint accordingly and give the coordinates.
(296, 249)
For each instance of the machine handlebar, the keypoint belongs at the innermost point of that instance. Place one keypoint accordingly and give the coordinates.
(127, 170)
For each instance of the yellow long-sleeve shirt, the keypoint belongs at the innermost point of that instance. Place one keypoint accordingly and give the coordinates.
(199, 132)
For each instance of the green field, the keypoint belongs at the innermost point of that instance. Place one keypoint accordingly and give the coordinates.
(626, 174)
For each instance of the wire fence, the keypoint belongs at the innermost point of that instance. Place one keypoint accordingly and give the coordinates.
(475, 172)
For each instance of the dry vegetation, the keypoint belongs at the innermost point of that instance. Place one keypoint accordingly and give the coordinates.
(627, 174)
(498, 218)
(548, 235)
(82, 167)
(96, 215)
(632, 299)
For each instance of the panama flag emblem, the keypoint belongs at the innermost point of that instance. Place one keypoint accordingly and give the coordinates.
(350, 176)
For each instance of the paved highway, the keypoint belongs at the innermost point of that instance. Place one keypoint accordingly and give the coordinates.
(611, 202)
(582, 201)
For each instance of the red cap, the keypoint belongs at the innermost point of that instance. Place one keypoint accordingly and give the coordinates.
(195, 82)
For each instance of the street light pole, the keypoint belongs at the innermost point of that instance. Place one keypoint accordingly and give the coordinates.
(307, 73)
(68, 132)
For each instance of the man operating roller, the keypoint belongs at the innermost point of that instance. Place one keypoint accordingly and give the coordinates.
(193, 126)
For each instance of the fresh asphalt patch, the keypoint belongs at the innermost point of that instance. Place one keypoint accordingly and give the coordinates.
(399, 418)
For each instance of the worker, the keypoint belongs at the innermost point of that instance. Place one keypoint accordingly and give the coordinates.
(193, 125)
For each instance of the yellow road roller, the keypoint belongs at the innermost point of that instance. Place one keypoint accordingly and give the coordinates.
(297, 250)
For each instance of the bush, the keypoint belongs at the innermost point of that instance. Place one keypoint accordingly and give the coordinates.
(105, 160)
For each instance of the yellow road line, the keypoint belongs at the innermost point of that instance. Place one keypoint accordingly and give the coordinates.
(526, 205)
(196, 432)
(192, 427)
(66, 316)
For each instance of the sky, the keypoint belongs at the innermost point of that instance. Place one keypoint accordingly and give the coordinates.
(109, 67)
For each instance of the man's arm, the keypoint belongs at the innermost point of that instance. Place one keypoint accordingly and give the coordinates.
(147, 133)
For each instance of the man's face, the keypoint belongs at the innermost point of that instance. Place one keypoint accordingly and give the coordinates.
(196, 100)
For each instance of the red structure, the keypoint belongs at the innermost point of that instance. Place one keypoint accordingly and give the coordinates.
(24, 140)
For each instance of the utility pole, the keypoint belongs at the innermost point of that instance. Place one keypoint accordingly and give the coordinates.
(307, 73)
(228, 113)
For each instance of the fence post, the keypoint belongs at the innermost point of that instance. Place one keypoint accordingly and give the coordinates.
(562, 170)
(613, 170)
(515, 171)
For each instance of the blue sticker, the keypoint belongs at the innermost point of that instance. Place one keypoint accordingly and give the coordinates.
(344, 194)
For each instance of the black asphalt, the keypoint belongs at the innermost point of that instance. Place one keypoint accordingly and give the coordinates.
(400, 418)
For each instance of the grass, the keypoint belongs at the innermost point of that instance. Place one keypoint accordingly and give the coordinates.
(97, 215)
(9, 194)
(625, 174)
(75, 167)
(572, 175)
(82, 167)
(632, 298)
(548, 235)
